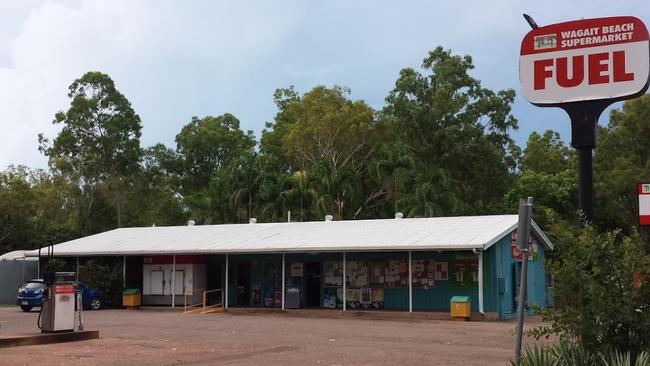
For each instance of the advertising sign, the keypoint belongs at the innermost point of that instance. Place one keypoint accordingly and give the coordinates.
(581, 60)
(516, 254)
(644, 203)
(464, 270)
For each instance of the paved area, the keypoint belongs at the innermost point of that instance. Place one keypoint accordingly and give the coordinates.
(149, 337)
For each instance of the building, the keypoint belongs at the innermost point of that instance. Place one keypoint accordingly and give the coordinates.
(15, 270)
(413, 264)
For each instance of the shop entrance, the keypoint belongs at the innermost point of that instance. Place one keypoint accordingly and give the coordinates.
(312, 284)
(243, 284)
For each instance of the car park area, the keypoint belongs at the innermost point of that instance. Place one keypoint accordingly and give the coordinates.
(162, 337)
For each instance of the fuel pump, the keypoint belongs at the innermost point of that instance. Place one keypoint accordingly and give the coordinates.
(57, 310)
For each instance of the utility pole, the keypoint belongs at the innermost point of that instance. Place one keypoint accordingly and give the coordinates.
(523, 237)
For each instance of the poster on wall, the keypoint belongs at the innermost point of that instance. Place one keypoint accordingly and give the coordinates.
(396, 274)
(423, 273)
(329, 298)
(377, 270)
(464, 271)
(296, 269)
(442, 271)
(333, 272)
(377, 298)
(357, 274)
(365, 297)
(516, 254)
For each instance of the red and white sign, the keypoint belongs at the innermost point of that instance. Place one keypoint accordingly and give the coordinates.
(589, 59)
(644, 203)
(63, 289)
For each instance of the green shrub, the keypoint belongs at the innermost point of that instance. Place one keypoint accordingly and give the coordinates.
(564, 353)
(598, 305)
(107, 277)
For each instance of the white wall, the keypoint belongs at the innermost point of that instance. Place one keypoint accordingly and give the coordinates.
(188, 270)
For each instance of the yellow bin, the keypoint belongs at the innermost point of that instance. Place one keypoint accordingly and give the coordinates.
(131, 298)
(461, 308)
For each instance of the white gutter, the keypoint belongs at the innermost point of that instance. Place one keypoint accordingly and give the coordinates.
(480, 282)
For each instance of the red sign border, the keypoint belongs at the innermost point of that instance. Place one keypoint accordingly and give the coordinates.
(645, 219)
(607, 101)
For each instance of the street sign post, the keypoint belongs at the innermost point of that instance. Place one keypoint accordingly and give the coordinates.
(583, 66)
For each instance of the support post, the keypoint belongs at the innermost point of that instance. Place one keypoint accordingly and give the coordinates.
(584, 119)
(225, 304)
(123, 271)
(76, 274)
(345, 275)
(585, 181)
(174, 281)
(523, 235)
(480, 282)
(410, 281)
(283, 274)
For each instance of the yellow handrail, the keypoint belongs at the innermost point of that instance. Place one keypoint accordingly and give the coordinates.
(205, 301)
(192, 304)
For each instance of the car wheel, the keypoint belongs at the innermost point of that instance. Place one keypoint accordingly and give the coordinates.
(26, 308)
(95, 304)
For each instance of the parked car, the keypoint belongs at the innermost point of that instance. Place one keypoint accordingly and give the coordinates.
(30, 295)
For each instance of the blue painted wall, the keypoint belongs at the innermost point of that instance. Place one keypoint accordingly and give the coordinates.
(505, 278)
(500, 278)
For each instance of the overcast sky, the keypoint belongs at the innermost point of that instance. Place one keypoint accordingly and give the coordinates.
(178, 59)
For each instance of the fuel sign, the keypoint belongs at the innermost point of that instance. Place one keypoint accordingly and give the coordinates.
(582, 60)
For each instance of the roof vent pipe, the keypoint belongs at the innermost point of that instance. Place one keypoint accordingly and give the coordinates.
(191, 223)
(252, 220)
(328, 218)
(399, 215)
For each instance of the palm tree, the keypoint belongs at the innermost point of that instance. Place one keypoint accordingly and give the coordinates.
(390, 170)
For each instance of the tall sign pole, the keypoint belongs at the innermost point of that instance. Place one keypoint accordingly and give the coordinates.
(583, 66)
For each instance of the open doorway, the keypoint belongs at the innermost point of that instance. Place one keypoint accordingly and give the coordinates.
(243, 284)
(312, 284)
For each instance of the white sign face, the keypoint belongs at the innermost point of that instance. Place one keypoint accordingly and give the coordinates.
(644, 203)
(590, 59)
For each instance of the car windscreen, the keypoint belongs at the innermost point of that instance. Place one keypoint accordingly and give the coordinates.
(34, 285)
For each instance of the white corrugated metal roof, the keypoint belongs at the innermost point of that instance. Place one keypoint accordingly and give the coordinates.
(438, 233)
(16, 255)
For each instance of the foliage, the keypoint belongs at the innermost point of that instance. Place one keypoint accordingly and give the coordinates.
(564, 353)
(100, 139)
(598, 302)
(622, 160)
(457, 128)
(105, 276)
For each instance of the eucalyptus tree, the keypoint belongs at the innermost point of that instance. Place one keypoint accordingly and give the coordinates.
(100, 139)
(453, 123)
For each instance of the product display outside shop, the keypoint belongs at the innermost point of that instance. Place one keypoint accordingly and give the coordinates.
(366, 281)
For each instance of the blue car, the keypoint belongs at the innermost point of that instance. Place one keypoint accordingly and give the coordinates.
(30, 295)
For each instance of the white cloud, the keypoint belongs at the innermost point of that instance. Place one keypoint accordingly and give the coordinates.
(174, 60)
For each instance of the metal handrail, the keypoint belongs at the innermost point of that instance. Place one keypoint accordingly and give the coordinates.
(192, 304)
(205, 300)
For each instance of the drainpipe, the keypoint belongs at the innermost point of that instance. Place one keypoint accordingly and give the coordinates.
(480, 281)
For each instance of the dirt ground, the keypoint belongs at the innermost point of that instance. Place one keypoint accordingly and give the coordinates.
(150, 337)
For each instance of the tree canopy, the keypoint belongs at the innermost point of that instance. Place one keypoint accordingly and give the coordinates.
(440, 145)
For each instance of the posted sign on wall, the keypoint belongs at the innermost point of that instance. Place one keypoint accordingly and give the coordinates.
(589, 59)
(644, 203)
